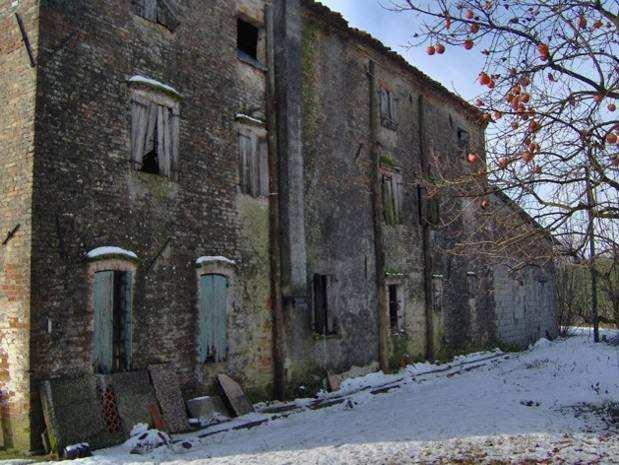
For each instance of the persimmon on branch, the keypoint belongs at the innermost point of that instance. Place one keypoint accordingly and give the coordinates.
(548, 90)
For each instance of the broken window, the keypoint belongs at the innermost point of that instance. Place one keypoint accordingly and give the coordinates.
(163, 12)
(247, 39)
(112, 329)
(155, 128)
(392, 196)
(213, 318)
(463, 139)
(254, 165)
(394, 306)
(324, 318)
(388, 116)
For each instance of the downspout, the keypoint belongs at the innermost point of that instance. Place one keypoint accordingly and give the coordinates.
(377, 204)
(426, 240)
(278, 324)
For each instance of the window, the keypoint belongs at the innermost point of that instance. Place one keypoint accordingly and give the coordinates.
(324, 319)
(112, 329)
(254, 165)
(388, 117)
(463, 139)
(163, 12)
(213, 318)
(247, 39)
(155, 128)
(472, 284)
(392, 196)
(395, 307)
(437, 292)
(428, 207)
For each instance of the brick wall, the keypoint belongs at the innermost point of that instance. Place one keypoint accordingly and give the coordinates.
(17, 93)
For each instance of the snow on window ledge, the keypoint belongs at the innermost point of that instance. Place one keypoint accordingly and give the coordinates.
(205, 260)
(111, 251)
(155, 85)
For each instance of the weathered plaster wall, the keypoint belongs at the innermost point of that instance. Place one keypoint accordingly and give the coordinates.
(338, 204)
(17, 94)
(87, 195)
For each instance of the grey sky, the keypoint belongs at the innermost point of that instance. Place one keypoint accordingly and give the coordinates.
(457, 69)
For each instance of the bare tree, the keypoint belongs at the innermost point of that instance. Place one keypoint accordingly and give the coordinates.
(548, 90)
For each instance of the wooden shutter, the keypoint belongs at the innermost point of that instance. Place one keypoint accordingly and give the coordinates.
(151, 125)
(254, 169)
(388, 202)
(139, 117)
(174, 142)
(128, 318)
(213, 319)
(164, 150)
(398, 191)
(149, 9)
(103, 337)
(167, 14)
(264, 167)
(245, 144)
(384, 102)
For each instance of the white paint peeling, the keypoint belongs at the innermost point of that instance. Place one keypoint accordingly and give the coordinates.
(218, 259)
(156, 84)
(110, 250)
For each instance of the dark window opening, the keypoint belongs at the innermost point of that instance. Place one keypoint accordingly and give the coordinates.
(388, 116)
(394, 307)
(247, 39)
(120, 322)
(463, 138)
(150, 162)
(324, 322)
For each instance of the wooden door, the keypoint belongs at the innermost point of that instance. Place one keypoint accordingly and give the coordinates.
(213, 319)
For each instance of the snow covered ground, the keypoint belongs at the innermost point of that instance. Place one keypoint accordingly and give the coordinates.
(538, 406)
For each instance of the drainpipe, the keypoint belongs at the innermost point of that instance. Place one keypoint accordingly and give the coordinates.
(377, 204)
(278, 323)
(426, 239)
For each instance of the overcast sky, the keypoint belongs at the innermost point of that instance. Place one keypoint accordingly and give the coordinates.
(456, 69)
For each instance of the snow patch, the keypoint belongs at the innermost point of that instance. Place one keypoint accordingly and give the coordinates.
(156, 84)
(249, 119)
(110, 250)
(218, 259)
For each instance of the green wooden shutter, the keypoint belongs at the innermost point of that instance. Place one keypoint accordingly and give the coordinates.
(103, 321)
(128, 319)
(213, 319)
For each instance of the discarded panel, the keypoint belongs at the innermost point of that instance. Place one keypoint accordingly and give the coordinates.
(168, 392)
(234, 395)
(72, 412)
(134, 395)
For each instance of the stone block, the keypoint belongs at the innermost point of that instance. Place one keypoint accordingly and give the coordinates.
(206, 408)
(168, 392)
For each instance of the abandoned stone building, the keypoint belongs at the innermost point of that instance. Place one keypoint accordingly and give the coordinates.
(230, 187)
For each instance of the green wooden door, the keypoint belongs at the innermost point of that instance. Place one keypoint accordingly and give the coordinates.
(103, 334)
(213, 319)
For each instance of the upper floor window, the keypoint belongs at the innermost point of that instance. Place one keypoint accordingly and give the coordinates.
(392, 187)
(155, 120)
(163, 12)
(388, 107)
(247, 39)
(324, 305)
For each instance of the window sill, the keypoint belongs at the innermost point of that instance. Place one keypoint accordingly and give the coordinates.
(245, 58)
(319, 337)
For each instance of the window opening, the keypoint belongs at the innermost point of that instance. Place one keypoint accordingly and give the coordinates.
(394, 306)
(247, 39)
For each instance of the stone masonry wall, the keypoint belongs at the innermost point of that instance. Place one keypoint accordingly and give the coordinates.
(17, 94)
(86, 193)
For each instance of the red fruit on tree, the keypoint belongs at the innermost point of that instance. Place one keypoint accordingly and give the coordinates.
(544, 51)
(468, 44)
(479, 103)
(447, 23)
(534, 126)
(515, 125)
(582, 22)
(485, 204)
(611, 107)
(503, 163)
(431, 50)
(472, 158)
(498, 115)
(469, 14)
(537, 170)
(525, 81)
(440, 49)
(484, 79)
(598, 24)
(527, 156)
(474, 28)
(597, 98)
(611, 138)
